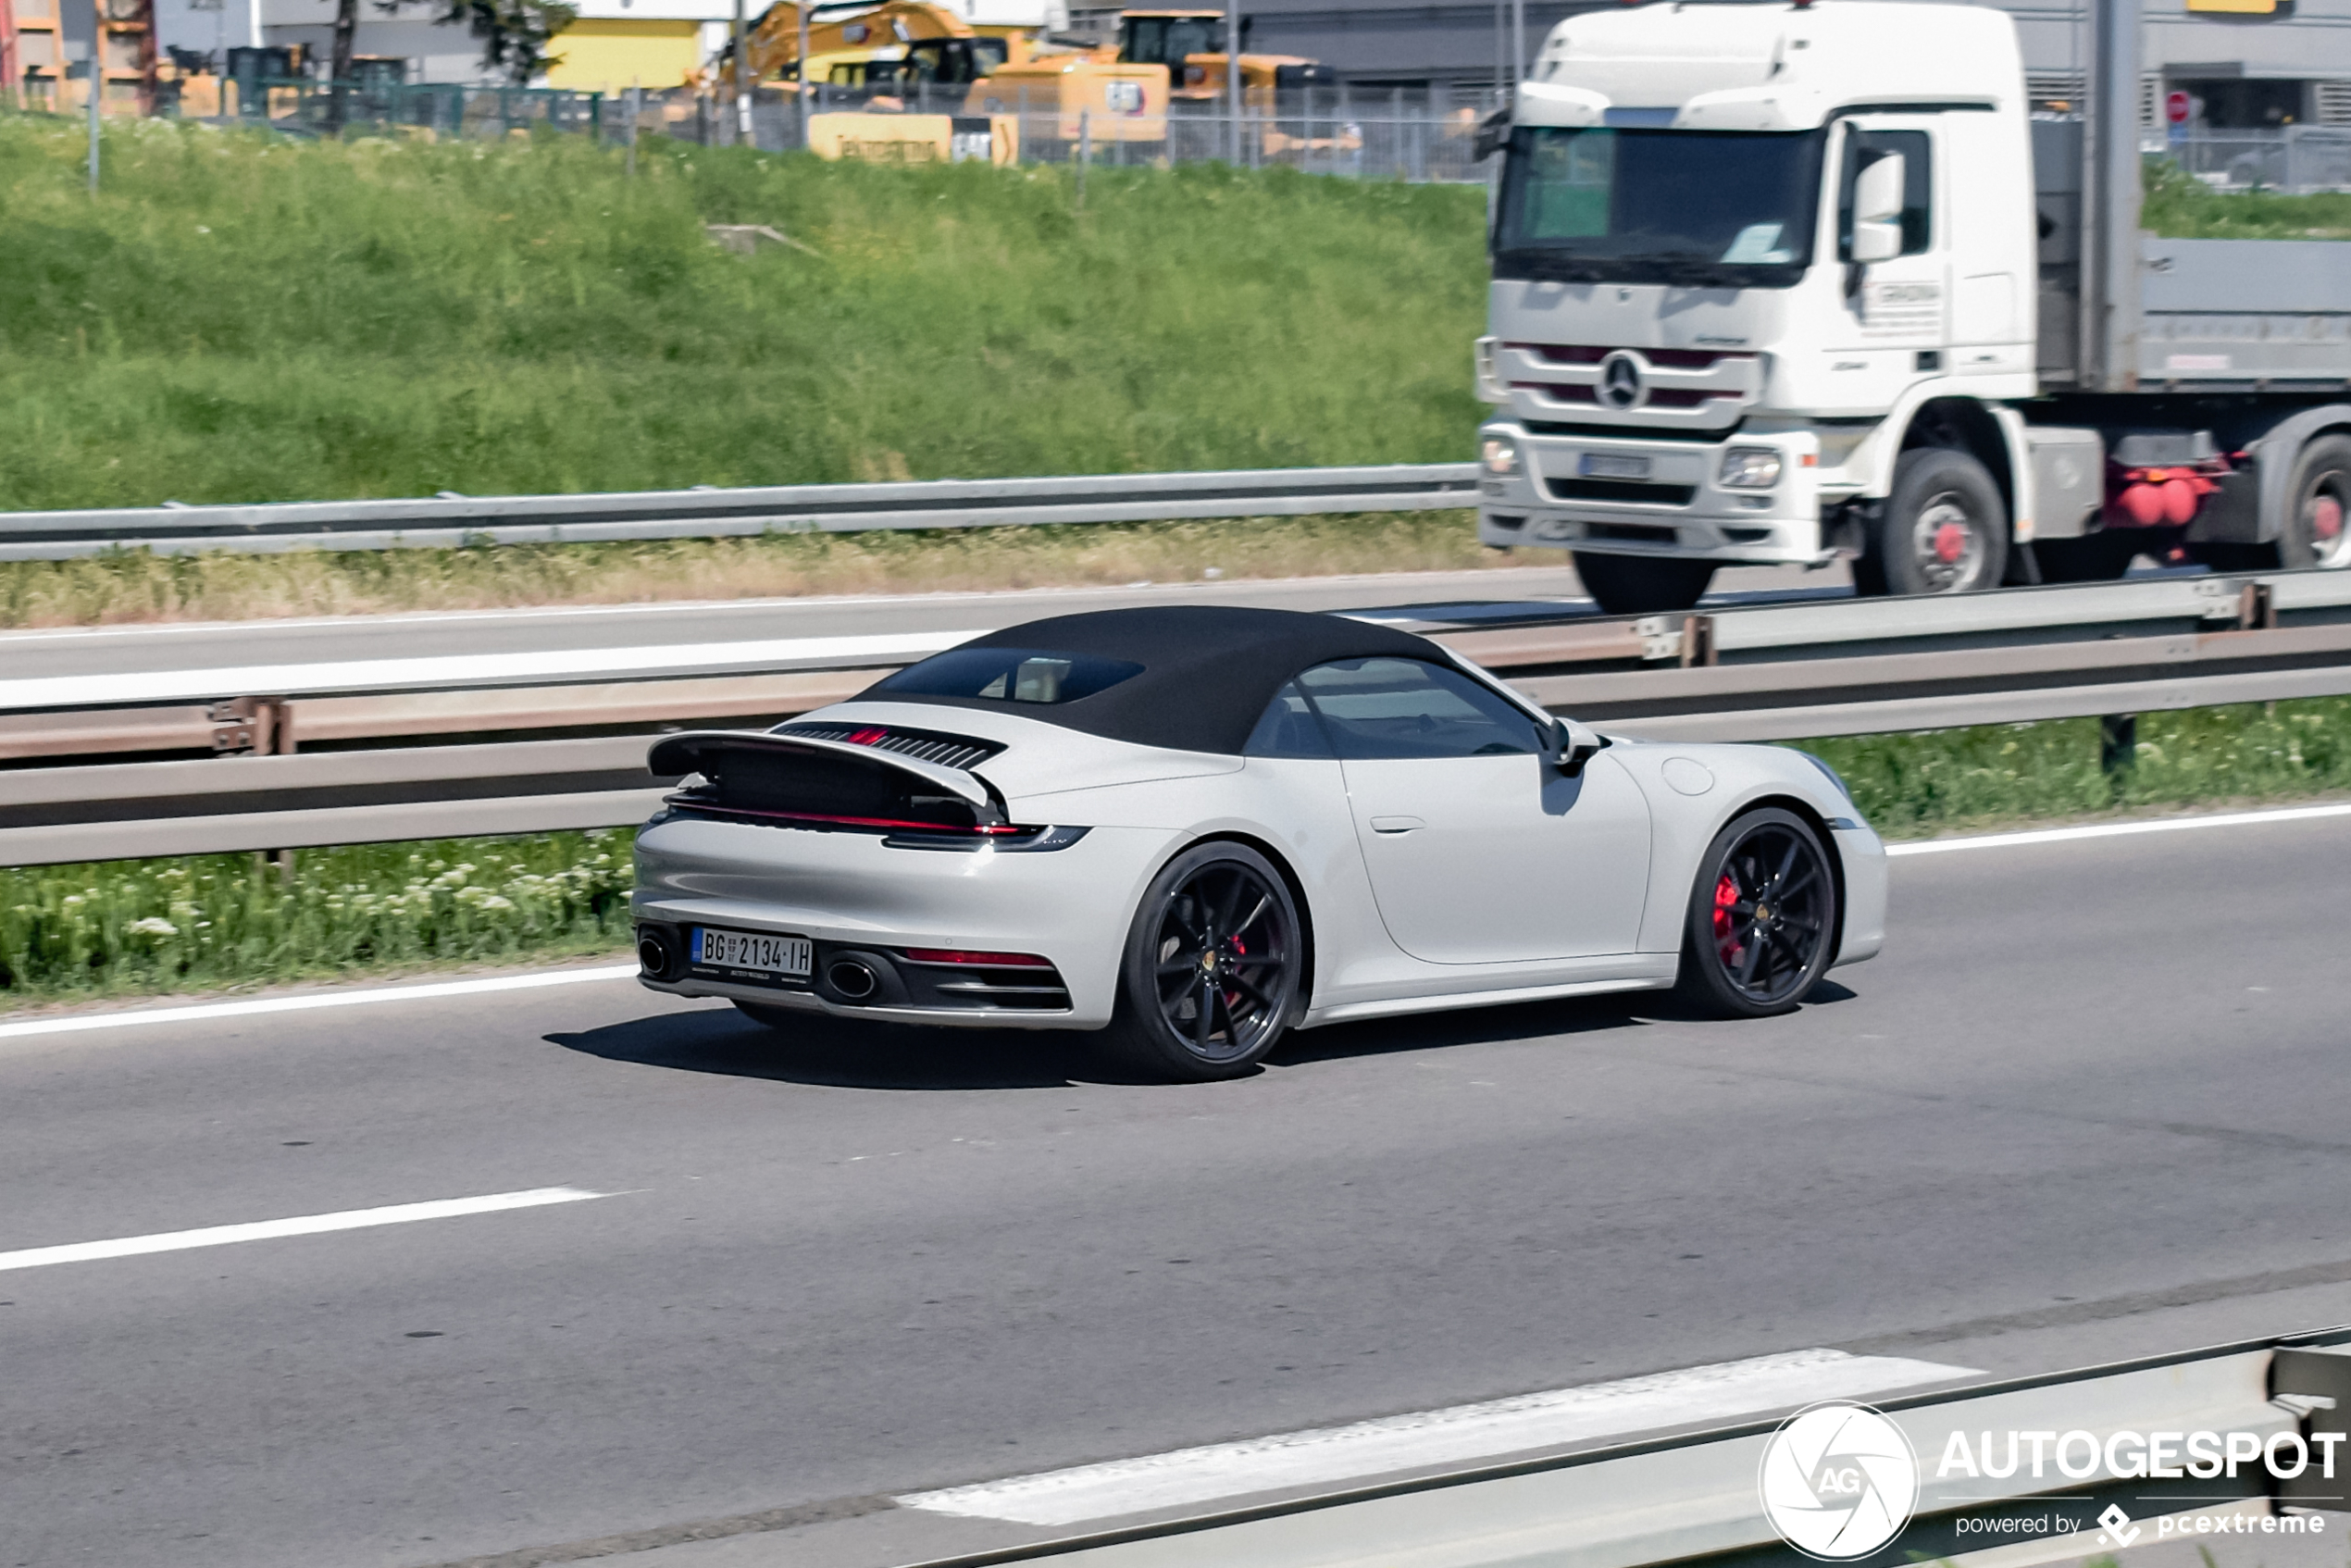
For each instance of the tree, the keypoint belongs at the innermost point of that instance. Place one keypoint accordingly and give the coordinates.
(514, 34)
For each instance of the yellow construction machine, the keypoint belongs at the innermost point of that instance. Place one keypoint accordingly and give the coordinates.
(1191, 45)
(898, 48)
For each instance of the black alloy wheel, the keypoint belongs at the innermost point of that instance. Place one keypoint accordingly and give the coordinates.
(1212, 973)
(1762, 918)
(1944, 528)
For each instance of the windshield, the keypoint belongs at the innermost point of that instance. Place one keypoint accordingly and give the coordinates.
(1702, 208)
(1166, 41)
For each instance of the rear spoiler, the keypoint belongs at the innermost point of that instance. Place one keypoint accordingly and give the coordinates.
(705, 751)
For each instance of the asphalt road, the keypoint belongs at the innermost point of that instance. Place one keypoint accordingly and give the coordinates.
(2090, 1103)
(1533, 589)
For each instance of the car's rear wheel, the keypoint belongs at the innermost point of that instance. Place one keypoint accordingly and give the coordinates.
(1762, 918)
(1210, 977)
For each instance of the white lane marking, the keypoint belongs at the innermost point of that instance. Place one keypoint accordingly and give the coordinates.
(76, 1023)
(301, 1224)
(1331, 1454)
(2117, 829)
(382, 674)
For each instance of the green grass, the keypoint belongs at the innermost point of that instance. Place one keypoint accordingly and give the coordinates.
(144, 928)
(1911, 786)
(212, 922)
(2179, 207)
(242, 318)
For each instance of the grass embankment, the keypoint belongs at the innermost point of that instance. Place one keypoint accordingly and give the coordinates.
(237, 318)
(142, 928)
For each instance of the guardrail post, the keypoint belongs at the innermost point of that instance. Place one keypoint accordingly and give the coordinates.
(263, 725)
(2315, 1381)
(2118, 747)
(2257, 608)
(1698, 640)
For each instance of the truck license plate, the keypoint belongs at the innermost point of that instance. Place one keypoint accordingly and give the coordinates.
(756, 953)
(1612, 466)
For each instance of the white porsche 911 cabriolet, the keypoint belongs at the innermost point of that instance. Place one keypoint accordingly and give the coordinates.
(1195, 828)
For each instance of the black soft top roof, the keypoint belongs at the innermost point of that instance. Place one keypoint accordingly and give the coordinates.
(1208, 671)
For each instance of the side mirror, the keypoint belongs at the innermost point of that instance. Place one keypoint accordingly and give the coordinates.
(1573, 745)
(1876, 242)
(1493, 135)
(1877, 210)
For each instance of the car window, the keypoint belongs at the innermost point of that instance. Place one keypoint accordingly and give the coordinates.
(1287, 729)
(1404, 708)
(1010, 675)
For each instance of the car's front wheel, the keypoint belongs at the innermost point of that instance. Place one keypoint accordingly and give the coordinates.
(1762, 918)
(1213, 964)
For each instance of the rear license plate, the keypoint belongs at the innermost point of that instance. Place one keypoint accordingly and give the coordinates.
(753, 953)
(1611, 465)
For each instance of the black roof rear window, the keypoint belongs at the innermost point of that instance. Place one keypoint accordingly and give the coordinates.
(1009, 675)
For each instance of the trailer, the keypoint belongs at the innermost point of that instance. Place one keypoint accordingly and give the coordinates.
(1787, 283)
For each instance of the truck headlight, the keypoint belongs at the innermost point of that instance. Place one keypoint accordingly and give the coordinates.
(1501, 456)
(1750, 468)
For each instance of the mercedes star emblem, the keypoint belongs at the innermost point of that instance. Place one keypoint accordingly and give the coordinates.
(1620, 381)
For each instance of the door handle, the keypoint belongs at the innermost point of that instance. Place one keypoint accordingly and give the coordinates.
(1396, 824)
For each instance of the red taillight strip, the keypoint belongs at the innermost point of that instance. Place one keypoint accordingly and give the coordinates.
(891, 822)
(987, 959)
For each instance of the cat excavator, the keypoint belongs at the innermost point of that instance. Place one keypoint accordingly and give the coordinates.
(896, 49)
(1191, 45)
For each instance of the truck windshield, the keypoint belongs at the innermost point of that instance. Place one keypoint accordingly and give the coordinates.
(1699, 208)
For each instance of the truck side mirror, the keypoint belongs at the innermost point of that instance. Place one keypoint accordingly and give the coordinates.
(1493, 135)
(1878, 241)
(1877, 210)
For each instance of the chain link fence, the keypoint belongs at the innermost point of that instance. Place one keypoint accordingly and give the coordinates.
(1374, 136)
(2295, 160)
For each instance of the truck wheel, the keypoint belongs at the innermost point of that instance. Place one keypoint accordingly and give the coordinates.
(1944, 529)
(2318, 505)
(1642, 585)
(2093, 557)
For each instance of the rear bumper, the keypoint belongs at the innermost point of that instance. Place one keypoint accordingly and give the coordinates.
(850, 894)
(1861, 854)
(1678, 510)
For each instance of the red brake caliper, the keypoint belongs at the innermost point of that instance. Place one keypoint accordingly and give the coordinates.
(1727, 893)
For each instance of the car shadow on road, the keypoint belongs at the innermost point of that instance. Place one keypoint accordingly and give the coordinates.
(881, 1056)
(891, 1056)
(1525, 1021)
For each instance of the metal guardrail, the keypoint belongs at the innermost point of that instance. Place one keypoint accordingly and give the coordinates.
(1693, 1501)
(446, 520)
(1771, 672)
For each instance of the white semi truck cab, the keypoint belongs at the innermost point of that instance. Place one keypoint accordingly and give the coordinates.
(1785, 282)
